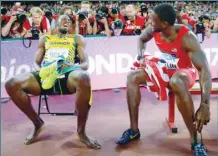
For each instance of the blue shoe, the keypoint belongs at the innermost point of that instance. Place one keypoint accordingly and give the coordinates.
(199, 149)
(128, 136)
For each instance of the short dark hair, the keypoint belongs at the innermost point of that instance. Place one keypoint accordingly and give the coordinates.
(166, 13)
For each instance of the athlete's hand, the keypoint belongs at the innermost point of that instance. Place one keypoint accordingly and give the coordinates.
(142, 62)
(65, 65)
(202, 116)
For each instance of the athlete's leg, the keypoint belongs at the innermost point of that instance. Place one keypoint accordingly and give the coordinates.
(134, 79)
(18, 89)
(180, 84)
(79, 81)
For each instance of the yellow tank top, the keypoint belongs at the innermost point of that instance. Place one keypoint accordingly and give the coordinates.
(56, 46)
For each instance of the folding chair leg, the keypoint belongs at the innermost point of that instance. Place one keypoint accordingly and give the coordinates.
(48, 110)
(75, 113)
(46, 103)
(171, 115)
(39, 106)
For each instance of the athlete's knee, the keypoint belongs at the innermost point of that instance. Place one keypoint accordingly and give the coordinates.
(176, 84)
(83, 79)
(11, 85)
(133, 77)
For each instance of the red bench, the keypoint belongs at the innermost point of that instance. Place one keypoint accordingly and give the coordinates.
(194, 91)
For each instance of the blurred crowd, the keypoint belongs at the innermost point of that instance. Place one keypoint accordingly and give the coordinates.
(22, 19)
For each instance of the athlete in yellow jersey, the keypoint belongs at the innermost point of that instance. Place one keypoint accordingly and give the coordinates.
(78, 81)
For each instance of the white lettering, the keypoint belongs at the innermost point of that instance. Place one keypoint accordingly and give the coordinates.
(114, 63)
(53, 53)
(123, 62)
(214, 61)
(207, 53)
(23, 69)
(91, 65)
(11, 70)
(3, 73)
(109, 66)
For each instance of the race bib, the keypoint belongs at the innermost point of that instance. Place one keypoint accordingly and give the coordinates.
(54, 53)
(170, 61)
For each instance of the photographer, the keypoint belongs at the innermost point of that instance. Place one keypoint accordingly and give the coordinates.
(101, 25)
(37, 23)
(182, 17)
(203, 27)
(114, 15)
(207, 25)
(47, 12)
(144, 13)
(199, 28)
(117, 27)
(116, 20)
(134, 23)
(84, 19)
(12, 26)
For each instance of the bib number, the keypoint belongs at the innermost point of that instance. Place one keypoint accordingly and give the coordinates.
(170, 61)
(54, 53)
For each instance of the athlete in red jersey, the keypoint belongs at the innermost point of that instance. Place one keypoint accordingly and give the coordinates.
(174, 54)
(180, 49)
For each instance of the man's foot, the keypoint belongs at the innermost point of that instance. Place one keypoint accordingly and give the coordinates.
(90, 143)
(199, 149)
(38, 129)
(128, 136)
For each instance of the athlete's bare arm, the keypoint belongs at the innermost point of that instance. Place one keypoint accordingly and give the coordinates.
(40, 53)
(81, 52)
(198, 58)
(145, 36)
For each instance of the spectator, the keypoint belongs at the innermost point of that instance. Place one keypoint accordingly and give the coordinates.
(85, 19)
(114, 14)
(207, 25)
(101, 25)
(189, 14)
(47, 12)
(134, 23)
(117, 27)
(12, 26)
(183, 15)
(144, 13)
(38, 21)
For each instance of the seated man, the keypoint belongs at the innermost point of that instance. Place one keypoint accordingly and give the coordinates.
(181, 55)
(50, 47)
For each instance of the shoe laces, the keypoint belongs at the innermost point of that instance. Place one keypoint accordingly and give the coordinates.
(200, 149)
(126, 133)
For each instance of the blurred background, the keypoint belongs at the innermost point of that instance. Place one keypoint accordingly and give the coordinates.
(34, 18)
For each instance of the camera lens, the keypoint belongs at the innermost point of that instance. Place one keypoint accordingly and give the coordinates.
(21, 18)
(83, 15)
(35, 33)
(4, 11)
